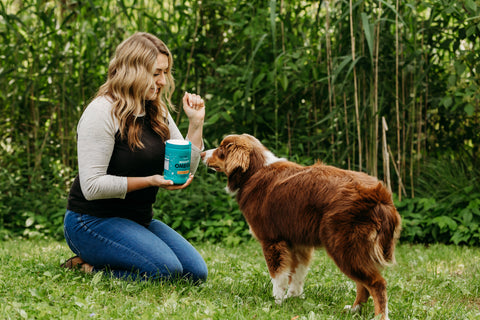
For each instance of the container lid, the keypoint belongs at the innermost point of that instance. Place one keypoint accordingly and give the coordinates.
(178, 142)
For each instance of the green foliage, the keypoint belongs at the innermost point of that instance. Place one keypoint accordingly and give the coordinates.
(280, 70)
(203, 211)
(427, 221)
(448, 209)
(32, 203)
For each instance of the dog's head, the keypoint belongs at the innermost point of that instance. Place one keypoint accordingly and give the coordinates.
(233, 153)
(238, 153)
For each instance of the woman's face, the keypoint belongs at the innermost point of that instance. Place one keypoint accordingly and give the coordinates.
(159, 76)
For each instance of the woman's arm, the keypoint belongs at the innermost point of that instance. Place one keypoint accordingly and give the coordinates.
(194, 108)
(95, 141)
(196, 115)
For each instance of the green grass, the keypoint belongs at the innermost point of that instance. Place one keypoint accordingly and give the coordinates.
(436, 282)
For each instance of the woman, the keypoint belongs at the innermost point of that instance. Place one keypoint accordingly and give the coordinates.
(121, 150)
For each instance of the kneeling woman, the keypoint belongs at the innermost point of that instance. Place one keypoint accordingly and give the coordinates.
(121, 151)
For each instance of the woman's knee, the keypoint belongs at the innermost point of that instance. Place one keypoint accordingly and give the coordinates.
(197, 273)
(163, 269)
(171, 270)
(201, 275)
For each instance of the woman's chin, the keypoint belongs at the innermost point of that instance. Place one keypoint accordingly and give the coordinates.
(152, 96)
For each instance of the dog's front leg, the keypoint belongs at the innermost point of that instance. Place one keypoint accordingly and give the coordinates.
(301, 257)
(280, 283)
(278, 258)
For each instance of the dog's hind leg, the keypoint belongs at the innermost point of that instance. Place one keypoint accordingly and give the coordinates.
(298, 270)
(279, 259)
(365, 273)
(362, 297)
(372, 283)
(378, 289)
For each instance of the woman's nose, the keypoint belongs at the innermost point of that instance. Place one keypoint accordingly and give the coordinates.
(161, 80)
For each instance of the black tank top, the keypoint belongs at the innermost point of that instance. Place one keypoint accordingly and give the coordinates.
(137, 205)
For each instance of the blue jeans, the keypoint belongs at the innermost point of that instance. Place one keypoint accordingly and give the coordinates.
(130, 250)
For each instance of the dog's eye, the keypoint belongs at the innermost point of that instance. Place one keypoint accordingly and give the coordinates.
(220, 153)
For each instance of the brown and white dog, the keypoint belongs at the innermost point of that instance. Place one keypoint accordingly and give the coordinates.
(292, 209)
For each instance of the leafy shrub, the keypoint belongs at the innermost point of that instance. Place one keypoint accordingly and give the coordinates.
(264, 68)
(448, 209)
(32, 201)
(427, 220)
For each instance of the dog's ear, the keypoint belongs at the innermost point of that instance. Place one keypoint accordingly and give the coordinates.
(238, 156)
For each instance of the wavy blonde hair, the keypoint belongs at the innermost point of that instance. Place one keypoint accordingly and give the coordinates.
(130, 76)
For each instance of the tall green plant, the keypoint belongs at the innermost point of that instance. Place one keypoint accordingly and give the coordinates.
(310, 79)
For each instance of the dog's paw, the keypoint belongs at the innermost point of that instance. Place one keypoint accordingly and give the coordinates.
(279, 295)
(279, 290)
(298, 296)
(351, 309)
(294, 292)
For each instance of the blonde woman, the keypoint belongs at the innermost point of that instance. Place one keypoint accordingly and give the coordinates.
(121, 150)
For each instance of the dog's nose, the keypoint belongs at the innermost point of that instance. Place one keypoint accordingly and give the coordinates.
(202, 155)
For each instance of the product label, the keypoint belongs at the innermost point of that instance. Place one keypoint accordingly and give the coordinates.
(177, 165)
(182, 165)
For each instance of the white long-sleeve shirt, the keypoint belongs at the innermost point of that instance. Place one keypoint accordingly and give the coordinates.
(96, 132)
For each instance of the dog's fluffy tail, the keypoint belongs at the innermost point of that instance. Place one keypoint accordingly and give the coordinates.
(388, 224)
(388, 234)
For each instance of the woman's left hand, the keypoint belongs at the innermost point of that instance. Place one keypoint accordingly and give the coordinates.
(159, 181)
(194, 108)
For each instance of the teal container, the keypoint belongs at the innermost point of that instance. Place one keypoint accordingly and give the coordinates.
(177, 160)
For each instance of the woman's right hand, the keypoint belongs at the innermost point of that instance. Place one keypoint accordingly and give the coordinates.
(194, 108)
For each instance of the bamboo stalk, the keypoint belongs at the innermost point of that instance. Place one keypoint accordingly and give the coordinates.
(290, 129)
(375, 103)
(386, 162)
(397, 106)
(357, 113)
(411, 137)
(331, 88)
(404, 123)
(401, 187)
(420, 111)
(346, 128)
(282, 27)
(273, 5)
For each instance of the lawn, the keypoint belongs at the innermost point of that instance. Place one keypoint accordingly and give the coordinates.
(435, 282)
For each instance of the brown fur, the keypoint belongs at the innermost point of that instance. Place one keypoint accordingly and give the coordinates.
(292, 209)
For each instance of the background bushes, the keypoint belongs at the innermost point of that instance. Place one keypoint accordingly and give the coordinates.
(311, 79)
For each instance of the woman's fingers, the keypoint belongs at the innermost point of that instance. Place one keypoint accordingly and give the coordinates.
(180, 186)
(193, 101)
(160, 181)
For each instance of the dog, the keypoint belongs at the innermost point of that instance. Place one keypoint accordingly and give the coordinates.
(292, 209)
